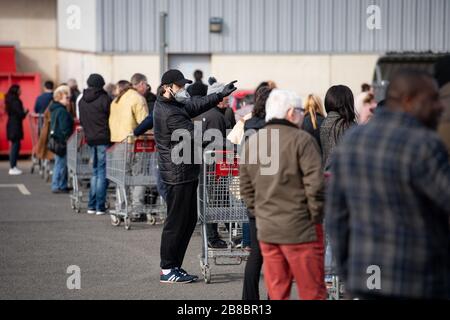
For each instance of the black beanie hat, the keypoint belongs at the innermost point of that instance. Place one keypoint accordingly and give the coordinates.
(95, 81)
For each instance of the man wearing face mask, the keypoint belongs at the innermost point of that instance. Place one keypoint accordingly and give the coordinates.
(174, 109)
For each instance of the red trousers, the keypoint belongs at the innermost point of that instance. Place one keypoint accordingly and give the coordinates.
(303, 262)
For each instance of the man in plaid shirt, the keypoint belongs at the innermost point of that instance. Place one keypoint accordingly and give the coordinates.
(388, 205)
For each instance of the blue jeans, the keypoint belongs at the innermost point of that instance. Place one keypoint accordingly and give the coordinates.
(160, 185)
(14, 153)
(59, 179)
(99, 184)
(246, 241)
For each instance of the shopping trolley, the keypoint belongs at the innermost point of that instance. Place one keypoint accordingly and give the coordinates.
(47, 169)
(133, 163)
(335, 287)
(79, 167)
(36, 121)
(219, 201)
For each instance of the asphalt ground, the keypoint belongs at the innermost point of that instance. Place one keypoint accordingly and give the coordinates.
(41, 236)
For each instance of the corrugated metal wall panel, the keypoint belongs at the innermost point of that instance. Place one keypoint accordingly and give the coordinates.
(149, 22)
(423, 25)
(108, 25)
(175, 26)
(382, 36)
(339, 26)
(312, 16)
(326, 26)
(354, 19)
(395, 25)
(202, 41)
(447, 26)
(257, 26)
(230, 26)
(244, 15)
(120, 25)
(409, 16)
(299, 25)
(163, 5)
(99, 25)
(366, 37)
(189, 30)
(216, 10)
(285, 26)
(271, 26)
(135, 22)
(437, 21)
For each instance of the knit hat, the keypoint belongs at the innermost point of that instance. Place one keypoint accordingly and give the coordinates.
(95, 81)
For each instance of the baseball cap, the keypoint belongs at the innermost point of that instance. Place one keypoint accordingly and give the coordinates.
(174, 76)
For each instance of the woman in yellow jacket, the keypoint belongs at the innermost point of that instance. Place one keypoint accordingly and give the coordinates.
(128, 110)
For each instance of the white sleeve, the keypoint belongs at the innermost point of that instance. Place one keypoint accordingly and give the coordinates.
(77, 105)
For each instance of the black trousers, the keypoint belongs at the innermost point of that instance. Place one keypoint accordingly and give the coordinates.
(179, 225)
(253, 266)
(14, 153)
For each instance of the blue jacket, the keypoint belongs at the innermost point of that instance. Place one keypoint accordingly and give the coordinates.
(144, 126)
(42, 102)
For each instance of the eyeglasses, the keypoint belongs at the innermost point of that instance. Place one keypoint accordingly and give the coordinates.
(299, 110)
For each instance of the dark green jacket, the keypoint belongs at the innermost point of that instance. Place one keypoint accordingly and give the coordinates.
(61, 122)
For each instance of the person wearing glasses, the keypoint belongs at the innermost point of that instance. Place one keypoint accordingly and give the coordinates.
(288, 202)
(61, 127)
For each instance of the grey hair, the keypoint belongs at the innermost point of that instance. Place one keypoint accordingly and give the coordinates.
(137, 78)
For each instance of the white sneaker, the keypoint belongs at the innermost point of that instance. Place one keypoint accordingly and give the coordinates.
(15, 172)
(90, 211)
(100, 213)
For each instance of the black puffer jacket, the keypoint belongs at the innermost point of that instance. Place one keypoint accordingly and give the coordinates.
(94, 116)
(169, 116)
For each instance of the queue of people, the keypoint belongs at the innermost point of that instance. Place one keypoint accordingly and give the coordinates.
(372, 183)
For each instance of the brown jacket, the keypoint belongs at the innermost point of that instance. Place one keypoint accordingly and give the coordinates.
(41, 149)
(288, 203)
(444, 126)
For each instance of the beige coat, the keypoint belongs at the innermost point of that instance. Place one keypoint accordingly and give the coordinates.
(126, 115)
(444, 126)
(289, 203)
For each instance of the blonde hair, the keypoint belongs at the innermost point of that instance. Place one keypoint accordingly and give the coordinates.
(314, 106)
(60, 92)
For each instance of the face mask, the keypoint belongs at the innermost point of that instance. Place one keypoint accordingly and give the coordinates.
(182, 96)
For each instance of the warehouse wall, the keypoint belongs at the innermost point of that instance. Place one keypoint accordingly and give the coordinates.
(80, 65)
(304, 74)
(31, 26)
(276, 26)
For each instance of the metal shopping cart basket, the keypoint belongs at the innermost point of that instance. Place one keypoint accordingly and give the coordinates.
(133, 163)
(220, 201)
(36, 121)
(79, 167)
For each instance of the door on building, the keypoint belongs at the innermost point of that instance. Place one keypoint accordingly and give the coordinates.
(188, 63)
